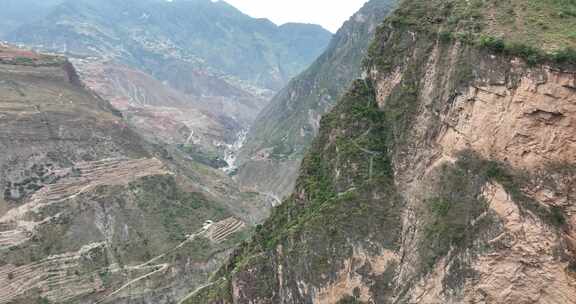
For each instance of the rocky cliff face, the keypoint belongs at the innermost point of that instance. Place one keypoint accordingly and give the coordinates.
(270, 160)
(446, 175)
(89, 211)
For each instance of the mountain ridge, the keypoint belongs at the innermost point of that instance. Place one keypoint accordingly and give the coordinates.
(426, 183)
(172, 24)
(282, 132)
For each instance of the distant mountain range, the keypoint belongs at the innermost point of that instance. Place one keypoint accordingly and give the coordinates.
(149, 34)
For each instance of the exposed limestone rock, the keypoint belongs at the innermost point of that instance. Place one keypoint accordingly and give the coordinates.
(527, 126)
(350, 282)
(525, 270)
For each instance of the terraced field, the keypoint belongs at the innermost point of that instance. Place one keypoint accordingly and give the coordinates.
(220, 231)
(57, 277)
(16, 225)
(61, 278)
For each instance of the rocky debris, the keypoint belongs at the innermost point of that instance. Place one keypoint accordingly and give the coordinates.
(525, 270)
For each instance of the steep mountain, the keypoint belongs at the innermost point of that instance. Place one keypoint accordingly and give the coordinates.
(90, 212)
(445, 175)
(166, 37)
(276, 142)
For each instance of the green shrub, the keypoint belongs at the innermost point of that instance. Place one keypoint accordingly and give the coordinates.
(439, 207)
(23, 61)
(43, 300)
(445, 36)
(493, 44)
(530, 54)
(567, 55)
(349, 300)
(572, 266)
(464, 37)
(557, 216)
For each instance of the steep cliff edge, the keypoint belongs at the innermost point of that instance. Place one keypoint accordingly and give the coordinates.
(446, 175)
(89, 211)
(270, 159)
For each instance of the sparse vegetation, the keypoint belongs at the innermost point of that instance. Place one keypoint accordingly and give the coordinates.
(450, 213)
(513, 183)
(351, 141)
(23, 61)
(532, 55)
(572, 267)
(350, 300)
(287, 127)
(42, 300)
(40, 60)
(536, 31)
(459, 202)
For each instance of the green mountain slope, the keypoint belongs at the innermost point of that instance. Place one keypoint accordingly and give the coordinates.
(284, 129)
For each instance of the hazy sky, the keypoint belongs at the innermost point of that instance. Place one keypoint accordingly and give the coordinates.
(328, 13)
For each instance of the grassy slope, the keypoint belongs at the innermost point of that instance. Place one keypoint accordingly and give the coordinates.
(317, 89)
(537, 30)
